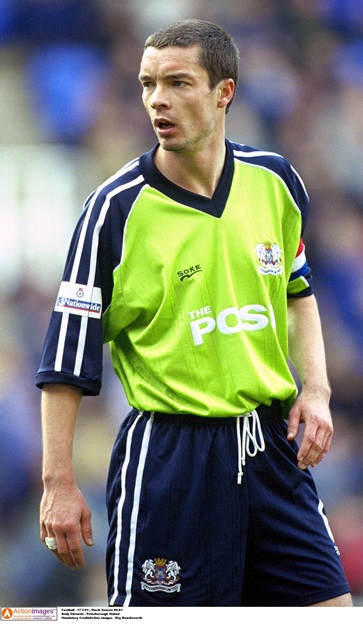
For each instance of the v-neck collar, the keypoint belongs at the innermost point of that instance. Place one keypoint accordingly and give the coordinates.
(213, 206)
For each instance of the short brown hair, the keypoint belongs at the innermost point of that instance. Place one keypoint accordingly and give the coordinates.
(219, 53)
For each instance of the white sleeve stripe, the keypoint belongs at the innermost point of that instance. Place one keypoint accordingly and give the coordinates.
(61, 342)
(301, 181)
(81, 345)
(77, 258)
(257, 154)
(93, 263)
(92, 270)
(100, 221)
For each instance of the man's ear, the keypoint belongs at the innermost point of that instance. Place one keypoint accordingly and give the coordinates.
(226, 92)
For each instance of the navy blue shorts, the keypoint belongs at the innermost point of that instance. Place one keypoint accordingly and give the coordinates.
(187, 530)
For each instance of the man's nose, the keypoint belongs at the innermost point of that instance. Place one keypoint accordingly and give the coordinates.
(159, 98)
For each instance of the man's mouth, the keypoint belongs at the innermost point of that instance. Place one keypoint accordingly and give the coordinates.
(161, 124)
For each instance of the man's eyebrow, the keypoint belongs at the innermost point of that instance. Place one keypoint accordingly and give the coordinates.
(179, 74)
(173, 75)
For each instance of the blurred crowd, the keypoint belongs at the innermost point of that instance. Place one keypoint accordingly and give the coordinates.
(70, 116)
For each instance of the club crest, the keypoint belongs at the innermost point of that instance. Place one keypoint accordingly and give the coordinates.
(160, 575)
(269, 257)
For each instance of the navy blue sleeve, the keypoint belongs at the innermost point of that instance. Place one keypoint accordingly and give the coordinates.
(73, 348)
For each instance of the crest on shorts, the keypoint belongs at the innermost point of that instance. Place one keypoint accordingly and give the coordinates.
(269, 257)
(160, 574)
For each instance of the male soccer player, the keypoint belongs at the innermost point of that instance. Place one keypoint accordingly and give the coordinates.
(190, 263)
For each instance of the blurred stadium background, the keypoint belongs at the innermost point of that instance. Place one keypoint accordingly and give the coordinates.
(71, 115)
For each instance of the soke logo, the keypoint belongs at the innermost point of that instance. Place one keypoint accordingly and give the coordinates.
(188, 273)
(6, 614)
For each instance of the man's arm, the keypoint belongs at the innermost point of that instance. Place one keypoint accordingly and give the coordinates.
(307, 353)
(64, 514)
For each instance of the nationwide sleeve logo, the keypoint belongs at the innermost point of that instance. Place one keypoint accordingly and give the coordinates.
(269, 257)
(81, 300)
(160, 574)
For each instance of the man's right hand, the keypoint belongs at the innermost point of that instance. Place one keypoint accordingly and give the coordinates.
(65, 516)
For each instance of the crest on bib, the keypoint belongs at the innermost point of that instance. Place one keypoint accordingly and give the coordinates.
(269, 258)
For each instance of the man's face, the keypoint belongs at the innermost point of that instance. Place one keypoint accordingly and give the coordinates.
(182, 107)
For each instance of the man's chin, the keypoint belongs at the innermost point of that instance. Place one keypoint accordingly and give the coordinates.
(171, 145)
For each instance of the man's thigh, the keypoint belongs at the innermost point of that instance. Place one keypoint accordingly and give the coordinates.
(177, 522)
(292, 558)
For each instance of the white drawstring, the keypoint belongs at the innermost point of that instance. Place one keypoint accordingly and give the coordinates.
(249, 438)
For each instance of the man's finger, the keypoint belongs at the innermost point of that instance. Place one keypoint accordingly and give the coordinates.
(86, 528)
(293, 423)
(313, 448)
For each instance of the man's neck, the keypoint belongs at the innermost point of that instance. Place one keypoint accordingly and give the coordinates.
(198, 172)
